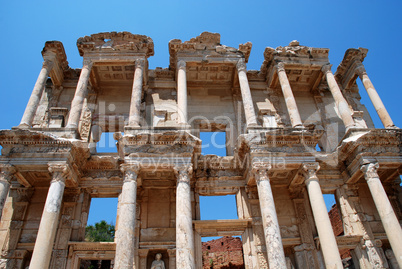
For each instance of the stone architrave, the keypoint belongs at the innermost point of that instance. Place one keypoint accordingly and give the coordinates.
(37, 92)
(375, 98)
(182, 92)
(389, 220)
(50, 217)
(185, 255)
(289, 97)
(81, 93)
(329, 247)
(248, 105)
(135, 105)
(6, 174)
(343, 107)
(125, 234)
(272, 233)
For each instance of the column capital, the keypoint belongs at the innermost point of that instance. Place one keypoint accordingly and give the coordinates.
(171, 252)
(130, 171)
(87, 63)
(48, 64)
(360, 70)
(139, 63)
(260, 171)
(309, 170)
(326, 68)
(59, 171)
(280, 67)
(241, 65)
(181, 65)
(370, 170)
(7, 172)
(183, 171)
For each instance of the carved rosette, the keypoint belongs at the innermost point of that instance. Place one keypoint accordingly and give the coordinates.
(241, 65)
(260, 171)
(6, 172)
(59, 171)
(370, 170)
(310, 171)
(130, 171)
(183, 172)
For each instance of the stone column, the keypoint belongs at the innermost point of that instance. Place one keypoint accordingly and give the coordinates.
(248, 105)
(182, 92)
(125, 235)
(374, 97)
(172, 258)
(184, 221)
(143, 253)
(81, 93)
(6, 173)
(135, 105)
(328, 243)
(50, 217)
(36, 95)
(340, 101)
(384, 208)
(289, 98)
(272, 233)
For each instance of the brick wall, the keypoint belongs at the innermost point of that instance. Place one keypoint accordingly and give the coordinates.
(223, 253)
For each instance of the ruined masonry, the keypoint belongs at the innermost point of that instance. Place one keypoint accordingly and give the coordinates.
(294, 131)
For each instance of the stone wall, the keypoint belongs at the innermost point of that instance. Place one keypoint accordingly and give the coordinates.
(223, 253)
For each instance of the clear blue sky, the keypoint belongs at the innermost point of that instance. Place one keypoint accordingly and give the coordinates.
(338, 25)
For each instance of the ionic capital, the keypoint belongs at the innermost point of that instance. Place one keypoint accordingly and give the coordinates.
(241, 65)
(260, 171)
(87, 63)
(140, 63)
(183, 172)
(59, 171)
(326, 68)
(6, 172)
(181, 65)
(370, 170)
(360, 70)
(280, 67)
(310, 170)
(130, 171)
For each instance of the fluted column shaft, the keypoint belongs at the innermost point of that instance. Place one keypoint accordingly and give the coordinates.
(343, 107)
(182, 92)
(135, 105)
(272, 233)
(328, 243)
(184, 221)
(125, 235)
(48, 224)
(6, 174)
(384, 209)
(251, 119)
(81, 93)
(375, 98)
(289, 97)
(36, 94)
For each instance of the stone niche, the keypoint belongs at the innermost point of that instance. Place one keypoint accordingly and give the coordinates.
(151, 257)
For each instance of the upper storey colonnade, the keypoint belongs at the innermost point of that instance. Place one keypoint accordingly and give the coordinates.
(287, 68)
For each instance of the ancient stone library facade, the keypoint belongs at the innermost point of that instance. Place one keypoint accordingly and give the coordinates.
(295, 131)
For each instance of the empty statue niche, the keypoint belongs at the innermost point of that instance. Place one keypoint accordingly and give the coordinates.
(96, 264)
(152, 257)
(101, 220)
(222, 252)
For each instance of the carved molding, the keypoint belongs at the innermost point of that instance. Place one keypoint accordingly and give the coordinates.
(7, 172)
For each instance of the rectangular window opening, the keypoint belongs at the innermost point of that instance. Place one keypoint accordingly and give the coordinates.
(222, 252)
(213, 143)
(218, 207)
(101, 220)
(106, 144)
